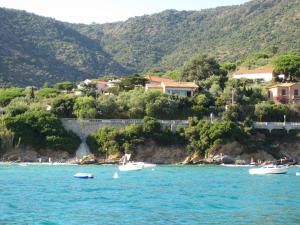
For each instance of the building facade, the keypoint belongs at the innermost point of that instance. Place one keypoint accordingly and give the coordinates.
(285, 93)
(266, 74)
(165, 85)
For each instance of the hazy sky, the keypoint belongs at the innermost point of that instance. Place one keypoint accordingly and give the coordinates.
(101, 11)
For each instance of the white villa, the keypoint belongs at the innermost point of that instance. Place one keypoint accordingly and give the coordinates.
(265, 74)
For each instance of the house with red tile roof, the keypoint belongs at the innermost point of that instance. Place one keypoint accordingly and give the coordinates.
(265, 74)
(166, 85)
(158, 80)
(285, 93)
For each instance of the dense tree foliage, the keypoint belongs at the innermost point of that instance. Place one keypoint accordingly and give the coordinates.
(84, 107)
(288, 64)
(201, 67)
(41, 129)
(65, 86)
(132, 81)
(62, 106)
(7, 94)
(266, 111)
(119, 141)
(6, 136)
(202, 134)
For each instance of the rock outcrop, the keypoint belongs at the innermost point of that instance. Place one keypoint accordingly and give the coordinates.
(153, 153)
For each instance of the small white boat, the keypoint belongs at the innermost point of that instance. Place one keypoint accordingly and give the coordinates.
(131, 166)
(269, 169)
(148, 165)
(126, 165)
(84, 175)
(297, 174)
(236, 165)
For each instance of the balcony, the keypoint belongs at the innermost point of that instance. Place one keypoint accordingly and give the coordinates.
(281, 99)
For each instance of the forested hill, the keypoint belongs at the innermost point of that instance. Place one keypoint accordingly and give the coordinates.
(36, 49)
(167, 39)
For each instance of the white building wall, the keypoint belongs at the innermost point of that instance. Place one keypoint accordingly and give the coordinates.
(254, 76)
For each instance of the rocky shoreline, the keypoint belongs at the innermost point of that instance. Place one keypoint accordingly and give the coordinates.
(232, 153)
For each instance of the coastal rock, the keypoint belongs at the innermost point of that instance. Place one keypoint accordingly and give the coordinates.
(227, 160)
(89, 159)
(192, 159)
(235, 153)
(111, 159)
(56, 156)
(290, 150)
(24, 155)
(187, 160)
(153, 153)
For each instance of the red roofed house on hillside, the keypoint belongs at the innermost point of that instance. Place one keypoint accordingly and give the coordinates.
(285, 93)
(158, 80)
(165, 85)
(266, 74)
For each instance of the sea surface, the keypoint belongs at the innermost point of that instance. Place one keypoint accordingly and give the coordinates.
(47, 194)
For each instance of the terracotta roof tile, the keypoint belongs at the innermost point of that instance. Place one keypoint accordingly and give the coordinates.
(158, 79)
(181, 84)
(154, 85)
(283, 85)
(263, 70)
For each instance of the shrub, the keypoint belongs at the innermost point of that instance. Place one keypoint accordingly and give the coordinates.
(42, 129)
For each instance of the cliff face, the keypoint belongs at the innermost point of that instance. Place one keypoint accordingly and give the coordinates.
(292, 150)
(230, 153)
(153, 153)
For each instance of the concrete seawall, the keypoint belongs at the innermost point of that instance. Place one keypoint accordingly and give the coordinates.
(84, 127)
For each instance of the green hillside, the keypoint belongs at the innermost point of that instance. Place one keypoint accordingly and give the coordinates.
(166, 40)
(36, 49)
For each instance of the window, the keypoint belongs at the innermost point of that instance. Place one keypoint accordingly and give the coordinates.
(296, 92)
(283, 92)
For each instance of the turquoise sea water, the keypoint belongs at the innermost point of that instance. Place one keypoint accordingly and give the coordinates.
(167, 195)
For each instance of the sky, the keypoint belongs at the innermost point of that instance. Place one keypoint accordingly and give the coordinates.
(103, 11)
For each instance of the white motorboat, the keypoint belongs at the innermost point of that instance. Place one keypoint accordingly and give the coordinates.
(84, 175)
(126, 165)
(297, 174)
(269, 169)
(131, 166)
(148, 165)
(236, 165)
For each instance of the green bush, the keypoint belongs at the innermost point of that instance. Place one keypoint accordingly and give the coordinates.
(113, 140)
(84, 107)
(42, 129)
(270, 112)
(63, 106)
(8, 94)
(202, 135)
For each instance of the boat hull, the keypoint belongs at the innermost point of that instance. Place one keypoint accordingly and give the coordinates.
(274, 170)
(84, 175)
(131, 167)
